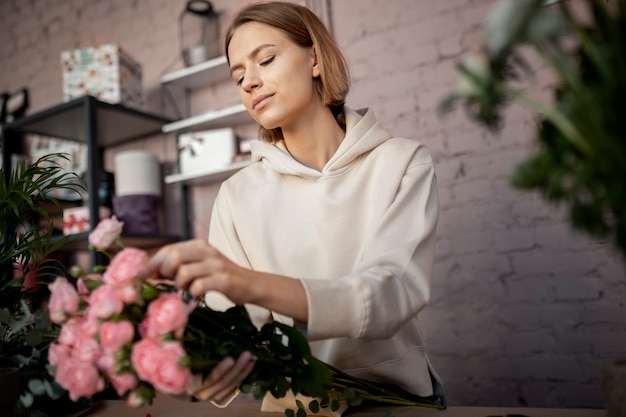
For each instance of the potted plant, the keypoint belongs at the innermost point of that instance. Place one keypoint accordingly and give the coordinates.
(26, 241)
(580, 160)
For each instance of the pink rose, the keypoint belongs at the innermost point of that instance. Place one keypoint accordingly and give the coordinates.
(126, 267)
(86, 348)
(80, 379)
(83, 291)
(64, 300)
(145, 357)
(159, 364)
(136, 399)
(123, 382)
(57, 353)
(105, 301)
(114, 335)
(105, 233)
(168, 313)
(90, 325)
(107, 361)
(129, 294)
(70, 331)
(171, 377)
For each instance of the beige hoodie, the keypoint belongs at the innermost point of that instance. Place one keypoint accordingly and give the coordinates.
(360, 235)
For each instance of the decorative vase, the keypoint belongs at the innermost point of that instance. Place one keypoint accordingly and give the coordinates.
(9, 389)
(614, 387)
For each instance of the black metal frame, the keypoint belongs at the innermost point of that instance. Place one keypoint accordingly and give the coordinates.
(63, 121)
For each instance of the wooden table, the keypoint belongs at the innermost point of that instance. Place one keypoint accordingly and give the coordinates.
(169, 407)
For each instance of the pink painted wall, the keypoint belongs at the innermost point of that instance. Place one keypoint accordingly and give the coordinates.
(524, 309)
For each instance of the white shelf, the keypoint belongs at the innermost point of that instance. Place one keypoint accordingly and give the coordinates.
(215, 119)
(213, 175)
(200, 75)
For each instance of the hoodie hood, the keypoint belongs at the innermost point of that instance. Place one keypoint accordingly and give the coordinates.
(363, 134)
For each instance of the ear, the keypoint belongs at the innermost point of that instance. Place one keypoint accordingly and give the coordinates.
(316, 67)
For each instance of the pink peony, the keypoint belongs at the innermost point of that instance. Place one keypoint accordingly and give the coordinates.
(105, 301)
(64, 300)
(168, 313)
(126, 267)
(114, 335)
(105, 233)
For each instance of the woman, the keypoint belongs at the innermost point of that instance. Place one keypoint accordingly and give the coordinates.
(332, 226)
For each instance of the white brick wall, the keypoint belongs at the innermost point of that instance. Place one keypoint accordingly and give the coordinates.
(524, 309)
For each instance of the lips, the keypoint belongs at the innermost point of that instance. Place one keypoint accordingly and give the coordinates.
(260, 101)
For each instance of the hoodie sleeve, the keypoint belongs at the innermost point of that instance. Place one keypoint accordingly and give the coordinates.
(223, 237)
(391, 282)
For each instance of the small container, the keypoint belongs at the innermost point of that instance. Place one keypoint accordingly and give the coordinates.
(137, 172)
(139, 213)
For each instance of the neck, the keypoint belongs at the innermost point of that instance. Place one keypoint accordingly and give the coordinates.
(316, 141)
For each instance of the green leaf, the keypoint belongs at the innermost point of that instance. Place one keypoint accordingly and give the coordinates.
(314, 406)
(36, 386)
(27, 399)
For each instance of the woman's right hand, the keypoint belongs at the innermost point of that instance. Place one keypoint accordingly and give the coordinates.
(221, 385)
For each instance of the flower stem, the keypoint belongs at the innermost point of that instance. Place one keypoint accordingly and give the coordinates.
(374, 392)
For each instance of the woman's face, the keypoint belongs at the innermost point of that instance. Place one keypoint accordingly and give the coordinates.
(274, 75)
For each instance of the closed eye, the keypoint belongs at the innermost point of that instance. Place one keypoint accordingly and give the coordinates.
(263, 63)
(267, 61)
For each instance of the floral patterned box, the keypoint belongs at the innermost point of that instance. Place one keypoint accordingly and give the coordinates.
(76, 219)
(106, 72)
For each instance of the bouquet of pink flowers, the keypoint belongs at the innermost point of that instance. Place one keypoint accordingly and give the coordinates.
(140, 338)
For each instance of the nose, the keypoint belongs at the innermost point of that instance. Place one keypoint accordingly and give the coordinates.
(251, 80)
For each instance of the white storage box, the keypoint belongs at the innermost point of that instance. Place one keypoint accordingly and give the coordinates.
(105, 72)
(206, 151)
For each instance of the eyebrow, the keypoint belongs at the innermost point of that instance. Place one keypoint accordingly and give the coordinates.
(252, 54)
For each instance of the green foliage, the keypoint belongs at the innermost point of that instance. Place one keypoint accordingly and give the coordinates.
(581, 159)
(26, 239)
(284, 362)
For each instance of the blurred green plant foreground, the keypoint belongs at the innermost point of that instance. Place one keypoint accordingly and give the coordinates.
(581, 158)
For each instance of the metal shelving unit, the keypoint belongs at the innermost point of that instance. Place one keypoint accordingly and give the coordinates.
(98, 125)
(197, 76)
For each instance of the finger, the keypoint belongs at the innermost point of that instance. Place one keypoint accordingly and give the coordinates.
(225, 393)
(164, 263)
(223, 379)
(205, 390)
(195, 385)
(169, 258)
(190, 273)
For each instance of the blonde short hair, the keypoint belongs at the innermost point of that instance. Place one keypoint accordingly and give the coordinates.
(304, 28)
